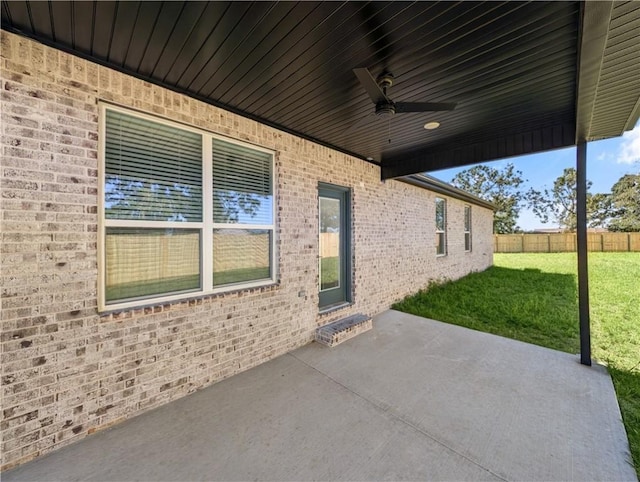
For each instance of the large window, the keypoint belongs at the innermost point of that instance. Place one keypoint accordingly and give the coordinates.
(467, 228)
(184, 212)
(441, 227)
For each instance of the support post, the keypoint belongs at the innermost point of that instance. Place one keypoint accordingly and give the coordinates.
(583, 274)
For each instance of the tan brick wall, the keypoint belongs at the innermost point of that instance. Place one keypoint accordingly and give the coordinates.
(67, 371)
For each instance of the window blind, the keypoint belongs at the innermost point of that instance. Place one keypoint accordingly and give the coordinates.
(242, 184)
(153, 172)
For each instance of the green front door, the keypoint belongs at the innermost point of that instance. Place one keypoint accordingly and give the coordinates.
(334, 242)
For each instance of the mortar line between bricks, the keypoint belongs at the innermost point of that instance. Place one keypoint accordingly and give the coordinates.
(400, 419)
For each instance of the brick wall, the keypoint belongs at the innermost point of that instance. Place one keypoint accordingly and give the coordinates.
(68, 371)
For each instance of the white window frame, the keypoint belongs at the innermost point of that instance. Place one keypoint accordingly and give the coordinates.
(206, 226)
(442, 232)
(467, 228)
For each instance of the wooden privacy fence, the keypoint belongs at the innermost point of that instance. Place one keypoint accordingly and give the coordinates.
(564, 242)
(329, 245)
(141, 258)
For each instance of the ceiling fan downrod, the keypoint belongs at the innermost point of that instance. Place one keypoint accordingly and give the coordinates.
(385, 108)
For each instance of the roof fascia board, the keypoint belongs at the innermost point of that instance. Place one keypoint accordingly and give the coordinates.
(436, 185)
(633, 118)
(460, 153)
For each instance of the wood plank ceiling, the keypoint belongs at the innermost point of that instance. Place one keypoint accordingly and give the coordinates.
(512, 67)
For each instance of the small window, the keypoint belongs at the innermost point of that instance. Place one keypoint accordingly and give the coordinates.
(183, 211)
(441, 227)
(467, 228)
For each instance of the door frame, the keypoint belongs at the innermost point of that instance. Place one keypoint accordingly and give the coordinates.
(341, 295)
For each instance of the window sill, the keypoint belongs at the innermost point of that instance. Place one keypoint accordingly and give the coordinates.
(191, 299)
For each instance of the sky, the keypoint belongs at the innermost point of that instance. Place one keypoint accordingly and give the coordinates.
(607, 161)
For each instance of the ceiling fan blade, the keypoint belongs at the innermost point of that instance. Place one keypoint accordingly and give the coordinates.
(370, 85)
(424, 106)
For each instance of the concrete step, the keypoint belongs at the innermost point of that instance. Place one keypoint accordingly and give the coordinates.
(336, 332)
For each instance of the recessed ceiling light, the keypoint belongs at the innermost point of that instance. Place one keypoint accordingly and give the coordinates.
(432, 125)
(369, 158)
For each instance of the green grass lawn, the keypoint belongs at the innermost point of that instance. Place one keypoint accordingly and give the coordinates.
(183, 283)
(138, 289)
(533, 298)
(330, 272)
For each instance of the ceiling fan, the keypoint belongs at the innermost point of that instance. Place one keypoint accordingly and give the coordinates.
(377, 90)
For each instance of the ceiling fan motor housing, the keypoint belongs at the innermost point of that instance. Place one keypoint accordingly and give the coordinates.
(385, 108)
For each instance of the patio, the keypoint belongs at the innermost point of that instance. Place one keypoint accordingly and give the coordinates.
(412, 399)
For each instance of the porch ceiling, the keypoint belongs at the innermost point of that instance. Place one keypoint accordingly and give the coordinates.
(527, 77)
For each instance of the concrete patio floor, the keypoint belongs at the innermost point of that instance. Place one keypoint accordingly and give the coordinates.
(412, 399)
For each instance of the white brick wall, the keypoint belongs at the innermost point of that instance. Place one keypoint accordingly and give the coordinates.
(67, 371)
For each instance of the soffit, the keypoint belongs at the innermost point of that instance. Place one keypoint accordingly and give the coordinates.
(617, 103)
(512, 67)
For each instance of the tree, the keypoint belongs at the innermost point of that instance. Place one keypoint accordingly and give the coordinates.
(599, 210)
(625, 204)
(149, 199)
(128, 197)
(560, 203)
(329, 215)
(229, 206)
(498, 186)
